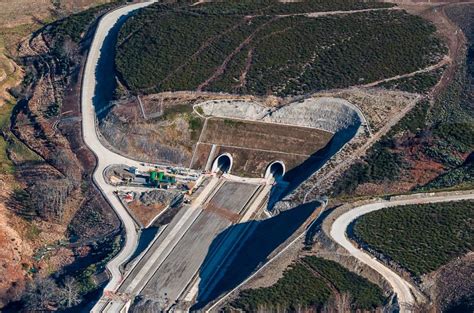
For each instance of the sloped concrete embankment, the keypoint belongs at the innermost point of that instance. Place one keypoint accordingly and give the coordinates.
(334, 115)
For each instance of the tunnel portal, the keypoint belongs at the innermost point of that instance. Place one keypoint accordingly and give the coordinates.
(223, 163)
(276, 170)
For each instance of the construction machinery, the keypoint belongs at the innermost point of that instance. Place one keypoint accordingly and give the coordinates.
(161, 179)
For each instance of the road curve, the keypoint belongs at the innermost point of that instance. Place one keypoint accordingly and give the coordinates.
(104, 156)
(401, 287)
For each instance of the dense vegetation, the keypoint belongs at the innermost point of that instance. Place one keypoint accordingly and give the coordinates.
(164, 47)
(309, 284)
(442, 133)
(365, 295)
(247, 7)
(419, 83)
(75, 25)
(420, 238)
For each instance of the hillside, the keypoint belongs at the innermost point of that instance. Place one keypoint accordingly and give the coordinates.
(419, 244)
(18, 19)
(432, 146)
(270, 47)
(429, 241)
(312, 284)
(53, 219)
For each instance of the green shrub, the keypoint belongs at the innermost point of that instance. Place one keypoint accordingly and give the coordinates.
(380, 164)
(305, 285)
(163, 48)
(419, 83)
(247, 7)
(420, 238)
(297, 288)
(365, 295)
(75, 25)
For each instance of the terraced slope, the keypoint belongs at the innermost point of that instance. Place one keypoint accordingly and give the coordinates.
(271, 48)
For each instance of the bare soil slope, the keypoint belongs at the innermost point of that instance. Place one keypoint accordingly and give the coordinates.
(41, 168)
(255, 145)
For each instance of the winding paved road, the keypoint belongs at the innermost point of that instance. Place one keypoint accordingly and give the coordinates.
(401, 287)
(104, 156)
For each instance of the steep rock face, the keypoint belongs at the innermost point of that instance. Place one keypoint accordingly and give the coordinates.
(330, 114)
(247, 110)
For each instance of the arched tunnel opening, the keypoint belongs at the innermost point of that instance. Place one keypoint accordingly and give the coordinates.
(275, 170)
(222, 164)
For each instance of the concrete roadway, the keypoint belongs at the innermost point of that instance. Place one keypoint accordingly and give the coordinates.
(198, 243)
(403, 289)
(104, 156)
(156, 254)
(172, 265)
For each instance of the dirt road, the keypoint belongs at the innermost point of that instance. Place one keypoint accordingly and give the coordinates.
(434, 11)
(404, 290)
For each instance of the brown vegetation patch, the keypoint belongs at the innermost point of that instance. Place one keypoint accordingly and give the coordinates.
(145, 213)
(16, 249)
(51, 186)
(265, 136)
(254, 145)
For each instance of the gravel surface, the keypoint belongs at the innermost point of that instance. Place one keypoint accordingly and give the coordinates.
(157, 196)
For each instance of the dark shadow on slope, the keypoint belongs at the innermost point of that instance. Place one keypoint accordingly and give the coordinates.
(105, 70)
(316, 228)
(302, 172)
(267, 235)
(146, 237)
(464, 304)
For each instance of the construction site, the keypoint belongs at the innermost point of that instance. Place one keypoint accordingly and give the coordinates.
(167, 157)
(236, 174)
(231, 158)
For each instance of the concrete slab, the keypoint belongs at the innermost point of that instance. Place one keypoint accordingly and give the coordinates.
(199, 242)
(233, 196)
(173, 276)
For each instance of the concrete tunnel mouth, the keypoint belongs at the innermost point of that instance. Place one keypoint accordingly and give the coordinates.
(223, 163)
(276, 170)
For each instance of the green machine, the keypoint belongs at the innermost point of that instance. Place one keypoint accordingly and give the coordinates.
(159, 178)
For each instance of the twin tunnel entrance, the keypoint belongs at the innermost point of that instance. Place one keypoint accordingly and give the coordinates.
(223, 163)
(276, 170)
